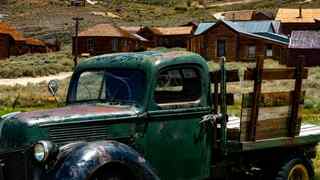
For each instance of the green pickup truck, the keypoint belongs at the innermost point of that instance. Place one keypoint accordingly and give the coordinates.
(152, 115)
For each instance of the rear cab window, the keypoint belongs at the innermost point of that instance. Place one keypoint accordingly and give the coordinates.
(178, 86)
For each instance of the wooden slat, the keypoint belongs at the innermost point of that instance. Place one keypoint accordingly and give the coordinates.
(272, 99)
(251, 128)
(267, 112)
(294, 120)
(229, 98)
(232, 76)
(269, 128)
(275, 74)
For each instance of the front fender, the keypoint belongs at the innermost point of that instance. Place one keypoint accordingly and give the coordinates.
(86, 158)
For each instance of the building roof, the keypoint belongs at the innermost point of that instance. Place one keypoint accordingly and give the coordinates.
(169, 31)
(35, 42)
(202, 27)
(292, 15)
(247, 26)
(305, 40)
(106, 30)
(256, 29)
(7, 29)
(255, 26)
(131, 29)
(244, 15)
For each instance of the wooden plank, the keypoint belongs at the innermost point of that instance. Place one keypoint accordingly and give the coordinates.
(269, 128)
(232, 76)
(294, 120)
(272, 99)
(267, 112)
(311, 139)
(229, 98)
(251, 128)
(275, 74)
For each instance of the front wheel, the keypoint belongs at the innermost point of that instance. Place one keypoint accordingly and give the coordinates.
(114, 172)
(296, 169)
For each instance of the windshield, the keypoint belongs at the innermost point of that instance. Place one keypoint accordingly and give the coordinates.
(111, 85)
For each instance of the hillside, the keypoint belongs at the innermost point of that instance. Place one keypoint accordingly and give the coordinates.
(38, 17)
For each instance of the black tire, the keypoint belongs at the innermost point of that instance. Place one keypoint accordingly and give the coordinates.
(298, 168)
(113, 173)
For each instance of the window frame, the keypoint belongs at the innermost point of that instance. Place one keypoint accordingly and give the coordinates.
(91, 44)
(224, 47)
(254, 55)
(115, 44)
(179, 104)
(269, 47)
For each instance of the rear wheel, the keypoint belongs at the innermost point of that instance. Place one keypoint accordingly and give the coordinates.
(296, 169)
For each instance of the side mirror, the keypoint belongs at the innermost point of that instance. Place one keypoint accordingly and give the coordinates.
(53, 87)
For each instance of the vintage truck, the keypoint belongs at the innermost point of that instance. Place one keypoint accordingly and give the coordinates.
(153, 115)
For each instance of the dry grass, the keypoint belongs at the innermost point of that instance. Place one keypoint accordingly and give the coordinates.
(33, 65)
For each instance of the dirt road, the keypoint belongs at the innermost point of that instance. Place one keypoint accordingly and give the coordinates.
(25, 80)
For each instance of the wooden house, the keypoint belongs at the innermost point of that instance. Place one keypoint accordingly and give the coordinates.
(298, 19)
(168, 37)
(106, 38)
(10, 39)
(247, 15)
(35, 45)
(304, 43)
(239, 41)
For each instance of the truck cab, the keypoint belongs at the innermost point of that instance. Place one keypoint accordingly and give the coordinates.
(136, 112)
(152, 115)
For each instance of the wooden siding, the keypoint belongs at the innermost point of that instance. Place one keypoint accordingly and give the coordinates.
(237, 45)
(311, 57)
(104, 45)
(287, 28)
(4, 47)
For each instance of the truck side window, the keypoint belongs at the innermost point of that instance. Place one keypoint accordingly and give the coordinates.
(178, 85)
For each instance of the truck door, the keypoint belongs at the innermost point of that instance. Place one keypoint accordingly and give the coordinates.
(174, 141)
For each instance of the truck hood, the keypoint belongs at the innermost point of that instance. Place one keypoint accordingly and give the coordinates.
(24, 129)
(75, 113)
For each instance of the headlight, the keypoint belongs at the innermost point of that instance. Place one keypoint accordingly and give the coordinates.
(42, 150)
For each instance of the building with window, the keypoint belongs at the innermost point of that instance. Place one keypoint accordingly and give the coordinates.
(168, 37)
(10, 39)
(239, 40)
(107, 38)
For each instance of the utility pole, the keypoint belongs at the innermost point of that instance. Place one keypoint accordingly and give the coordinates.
(77, 20)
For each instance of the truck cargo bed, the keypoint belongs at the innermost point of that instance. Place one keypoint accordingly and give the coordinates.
(309, 135)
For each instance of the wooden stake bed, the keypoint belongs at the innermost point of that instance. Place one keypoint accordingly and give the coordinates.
(309, 135)
(268, 119)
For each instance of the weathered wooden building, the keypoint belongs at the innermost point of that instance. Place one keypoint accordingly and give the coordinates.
(239, 41)
(168, 37)
(247, 15)
(10, 39)
(36, 46)
(107, 38)
(307, 44)
(298, 19)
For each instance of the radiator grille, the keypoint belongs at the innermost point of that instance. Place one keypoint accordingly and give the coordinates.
(88, 132)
